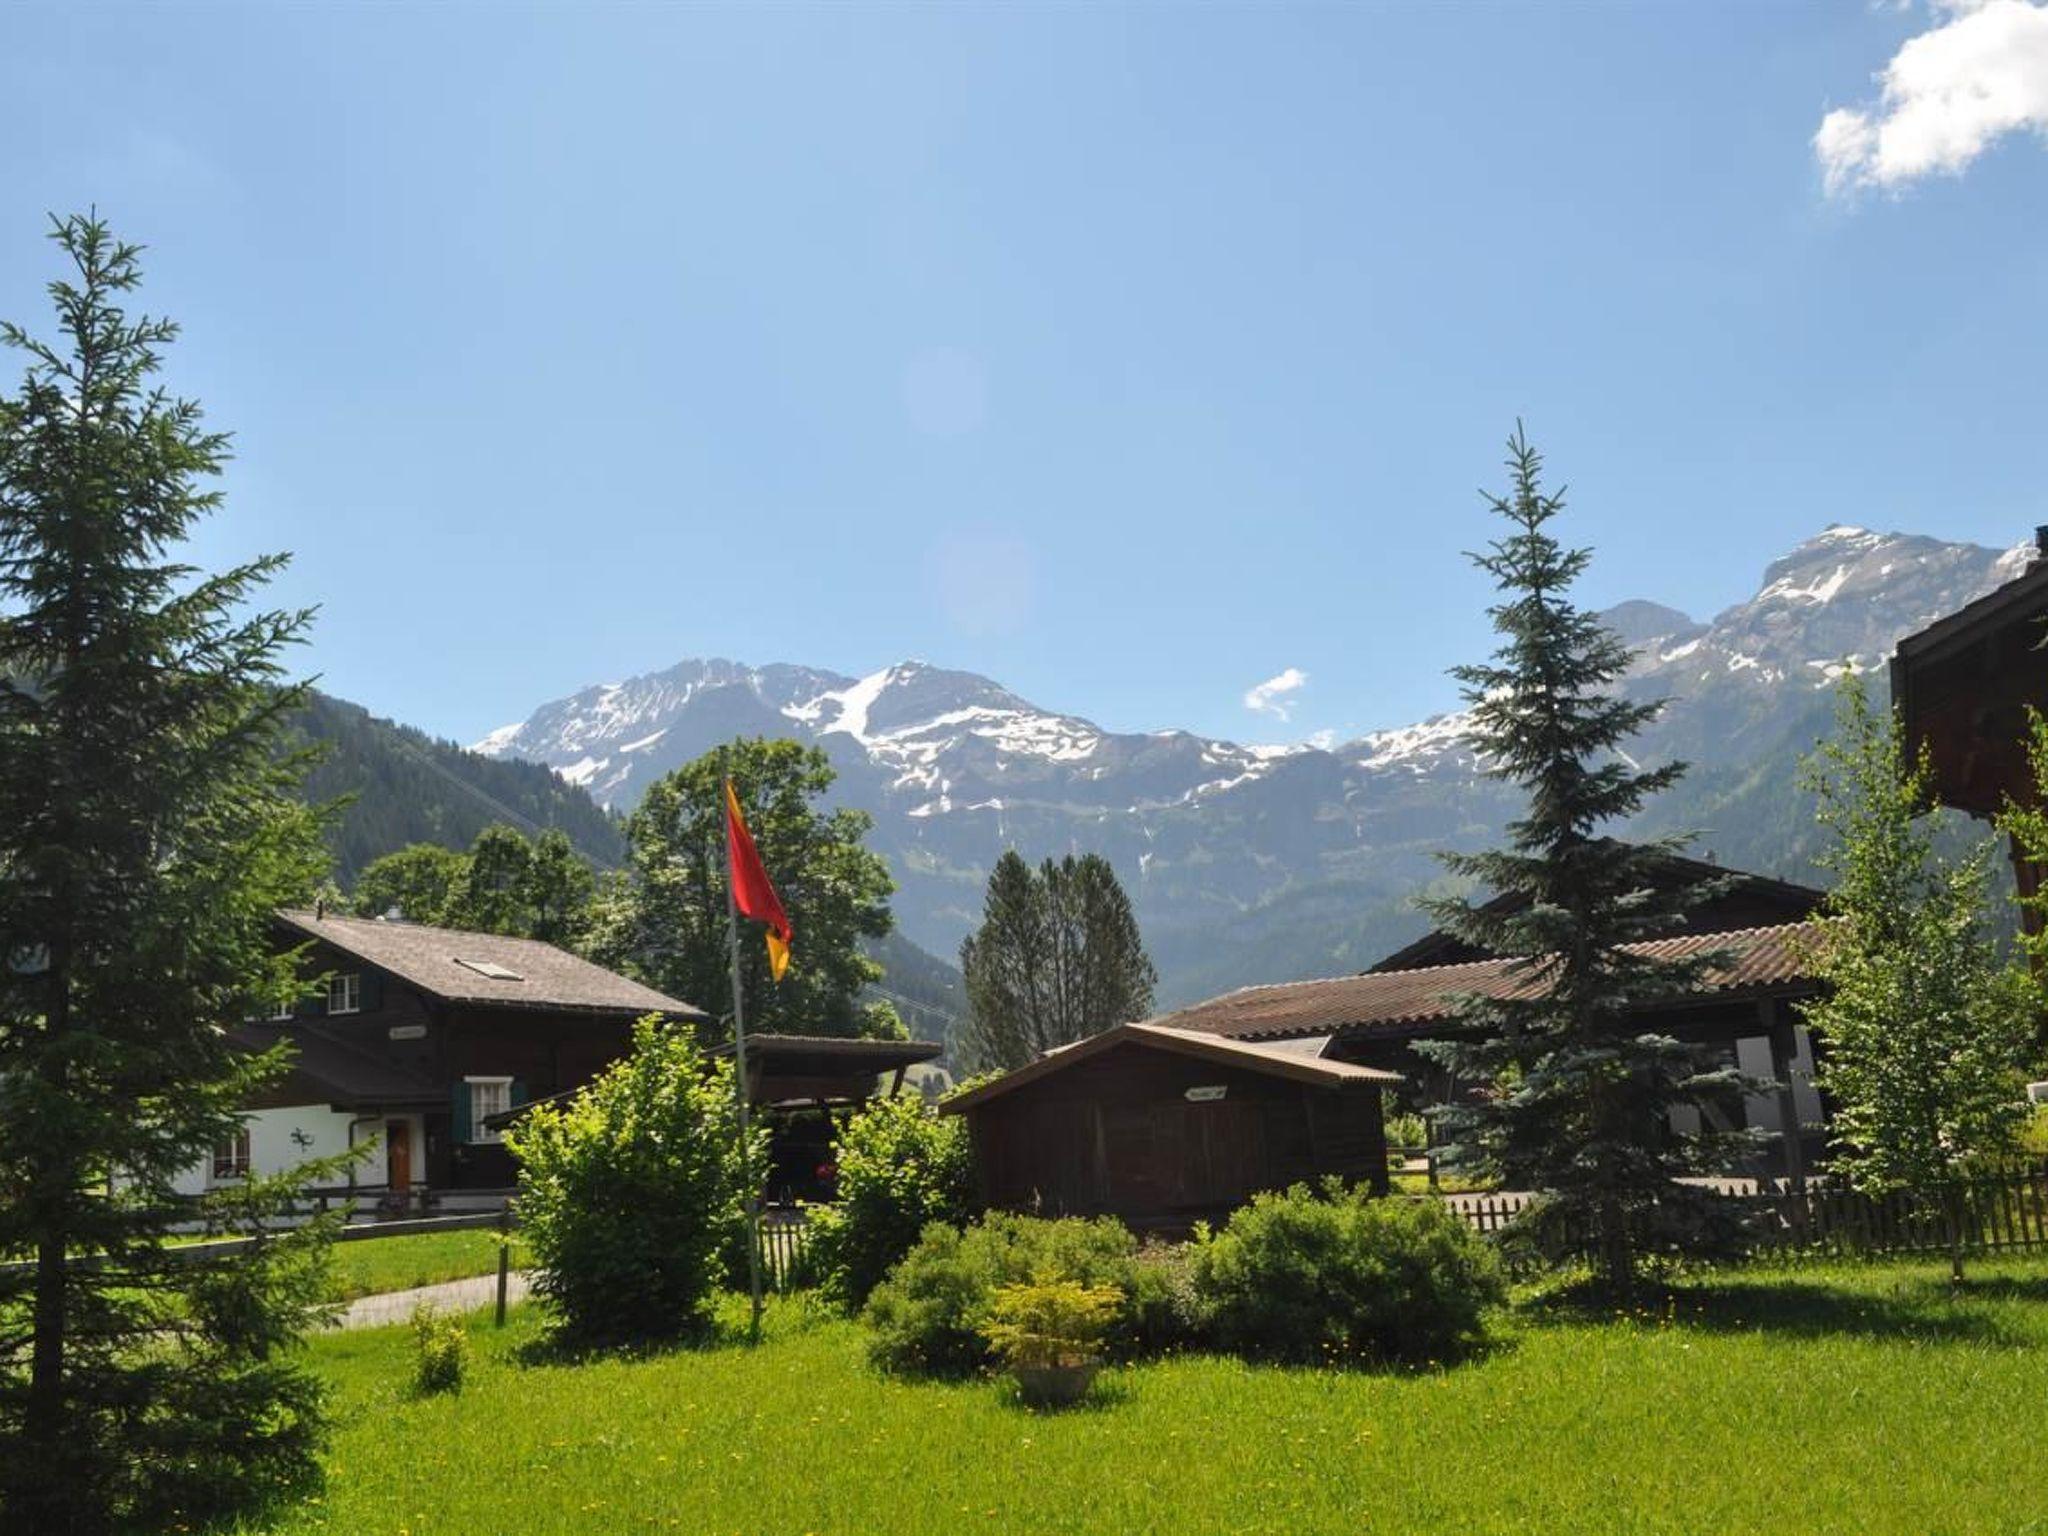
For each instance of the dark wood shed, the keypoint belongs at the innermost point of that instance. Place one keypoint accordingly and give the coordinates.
(1164, 1126)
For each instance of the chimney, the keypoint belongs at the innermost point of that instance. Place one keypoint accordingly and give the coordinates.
(2041, 541)
(319, 908)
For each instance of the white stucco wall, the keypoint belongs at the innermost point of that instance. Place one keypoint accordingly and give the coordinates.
(284, 1138)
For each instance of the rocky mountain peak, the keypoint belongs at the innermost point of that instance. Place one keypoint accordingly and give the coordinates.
(1259, 863)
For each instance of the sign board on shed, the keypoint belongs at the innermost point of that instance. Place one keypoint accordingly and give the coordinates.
(1207, 1093)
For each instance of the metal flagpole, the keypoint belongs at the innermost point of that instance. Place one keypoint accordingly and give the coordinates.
(739, 1063)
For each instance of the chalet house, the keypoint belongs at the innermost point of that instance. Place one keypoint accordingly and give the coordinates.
(413, 1039)
(1185, 1115)
(1742, 1011)
(1962, 688)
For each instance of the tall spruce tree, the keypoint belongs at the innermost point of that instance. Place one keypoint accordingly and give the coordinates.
(148, 830)
(1577, 1096)
(1057, 958)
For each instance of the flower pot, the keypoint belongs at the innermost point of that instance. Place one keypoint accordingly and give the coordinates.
(1055, 1386)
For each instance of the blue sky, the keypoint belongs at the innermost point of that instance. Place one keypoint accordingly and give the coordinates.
(1132, 356)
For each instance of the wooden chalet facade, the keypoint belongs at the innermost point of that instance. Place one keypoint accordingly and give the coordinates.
(1962, 688)
(414, 1038)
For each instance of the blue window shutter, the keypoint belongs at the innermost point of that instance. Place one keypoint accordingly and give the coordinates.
(518, 1092)
(460, 1116)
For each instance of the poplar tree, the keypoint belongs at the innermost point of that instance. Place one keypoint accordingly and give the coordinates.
(1577, 1094)
(1925, 1025)
(148, 830)
(1057, 958)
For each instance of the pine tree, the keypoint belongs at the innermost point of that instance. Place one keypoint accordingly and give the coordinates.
(1577, 1094)
(148, 830)
(664, 919)
(1924, 1026)
(1057, 958)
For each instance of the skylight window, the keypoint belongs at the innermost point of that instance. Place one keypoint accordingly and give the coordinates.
(490, 968)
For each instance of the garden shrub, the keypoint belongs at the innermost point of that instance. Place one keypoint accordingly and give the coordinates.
(1406, 1133)
(2033, 1133)
(631, 1195)
(1049, 1322)
(901, 1167)
(440, 1350)
(928, 1316)
(1333, 1274)
(1163, 1309)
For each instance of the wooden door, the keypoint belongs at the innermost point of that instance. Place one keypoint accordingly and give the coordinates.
(398, 1156)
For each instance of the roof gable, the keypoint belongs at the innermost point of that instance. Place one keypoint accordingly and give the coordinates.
(1288, 1061)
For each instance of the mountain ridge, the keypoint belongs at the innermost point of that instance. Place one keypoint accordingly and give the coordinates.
(1224, 844)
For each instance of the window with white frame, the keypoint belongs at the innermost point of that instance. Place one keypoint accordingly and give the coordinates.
(288, 1009)
(231, 1157)
(345, 993)
(487, 1096)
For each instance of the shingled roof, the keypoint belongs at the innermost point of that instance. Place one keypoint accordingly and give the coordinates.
(486, 969)
(1397, 1002)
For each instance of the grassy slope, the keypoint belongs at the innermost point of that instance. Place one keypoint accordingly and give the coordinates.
(1836, 1400)
(423, 1258)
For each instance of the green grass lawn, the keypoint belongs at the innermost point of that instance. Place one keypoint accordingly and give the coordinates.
(1845, 1399)
(420, 1258)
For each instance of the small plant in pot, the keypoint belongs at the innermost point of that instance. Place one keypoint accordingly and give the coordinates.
(1049, 1332)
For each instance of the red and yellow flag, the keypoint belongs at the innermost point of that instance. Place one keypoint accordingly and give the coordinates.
(751, 892)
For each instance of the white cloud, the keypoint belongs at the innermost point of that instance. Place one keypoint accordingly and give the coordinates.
(1946, 96)
(1270, 697)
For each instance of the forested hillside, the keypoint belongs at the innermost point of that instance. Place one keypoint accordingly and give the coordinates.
(402, 786)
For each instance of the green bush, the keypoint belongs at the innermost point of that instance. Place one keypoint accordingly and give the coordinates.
(928, 1316)
(1333, 1275)
(1049, 1322)
(631, 1196)
(2033, 1136)
(1406, 1133)
(901, 1166)
(440, 1349)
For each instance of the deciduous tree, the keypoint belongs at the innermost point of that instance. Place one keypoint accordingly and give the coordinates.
(665, 919)
(1924, 1025)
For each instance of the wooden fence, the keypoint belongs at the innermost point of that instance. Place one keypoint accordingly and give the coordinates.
(1990, 1213)
(785, 1234)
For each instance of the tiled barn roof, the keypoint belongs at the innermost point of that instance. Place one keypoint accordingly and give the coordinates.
(1394, 1002)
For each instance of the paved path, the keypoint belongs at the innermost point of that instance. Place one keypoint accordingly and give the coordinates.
(450, 1296)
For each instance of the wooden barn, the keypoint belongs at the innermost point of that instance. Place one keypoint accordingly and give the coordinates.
(1163, 1126)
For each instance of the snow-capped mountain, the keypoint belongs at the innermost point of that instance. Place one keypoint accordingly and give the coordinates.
(1259, 863)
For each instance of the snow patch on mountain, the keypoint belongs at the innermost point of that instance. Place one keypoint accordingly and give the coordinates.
(1211, 833)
